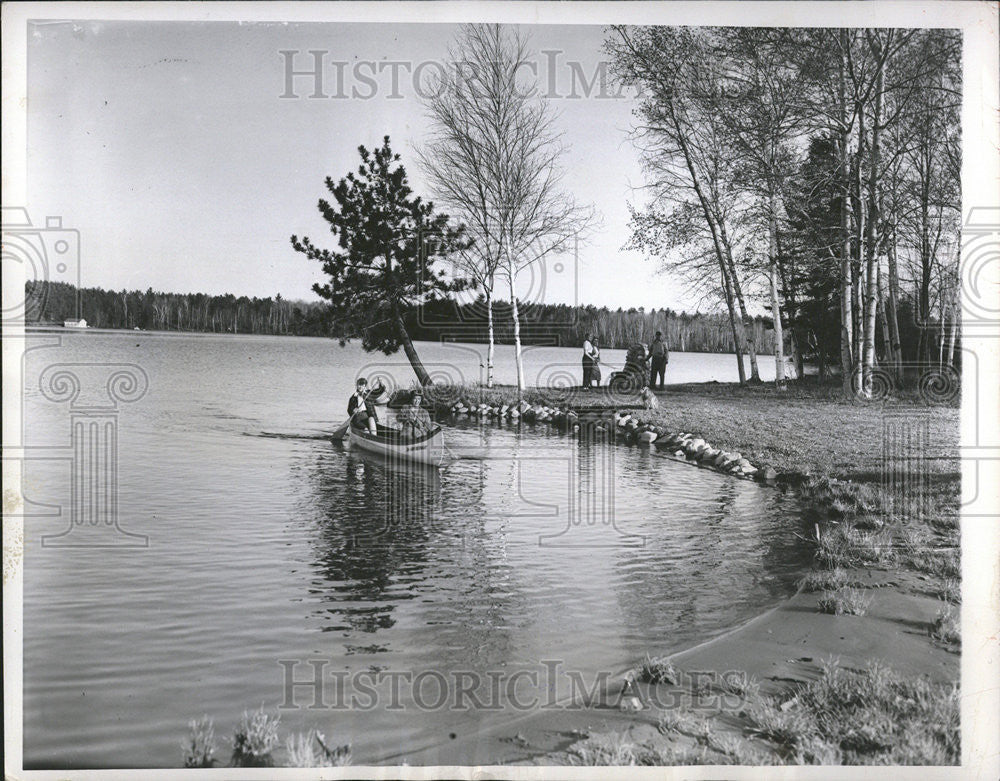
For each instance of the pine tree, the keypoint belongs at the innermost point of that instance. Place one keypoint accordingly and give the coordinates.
(388, 240)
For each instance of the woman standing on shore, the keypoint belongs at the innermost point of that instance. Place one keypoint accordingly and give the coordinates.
(595, 371)
(590, 358)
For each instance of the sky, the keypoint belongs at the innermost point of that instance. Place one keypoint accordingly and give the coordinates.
(169, 147)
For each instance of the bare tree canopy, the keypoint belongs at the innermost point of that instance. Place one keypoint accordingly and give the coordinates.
(841, 147)
(493, 160)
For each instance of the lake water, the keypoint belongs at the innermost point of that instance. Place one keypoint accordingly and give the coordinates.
(267, 551)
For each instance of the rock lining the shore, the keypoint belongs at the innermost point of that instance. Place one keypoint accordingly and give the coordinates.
(682, 445)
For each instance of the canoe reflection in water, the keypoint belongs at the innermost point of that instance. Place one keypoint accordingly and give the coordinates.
(375, 527)
(415, 551)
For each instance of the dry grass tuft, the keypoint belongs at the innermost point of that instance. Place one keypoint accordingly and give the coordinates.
(255, 738)
(658, 670)
(947, 627)
(845, 602)
(200, 748)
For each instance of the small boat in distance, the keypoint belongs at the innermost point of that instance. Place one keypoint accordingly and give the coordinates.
(395, 446)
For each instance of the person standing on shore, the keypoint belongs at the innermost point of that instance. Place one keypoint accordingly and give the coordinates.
(660, 356)
(595, 372)
(590, 358)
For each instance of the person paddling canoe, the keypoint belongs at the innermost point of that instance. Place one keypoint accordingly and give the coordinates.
(361, 405)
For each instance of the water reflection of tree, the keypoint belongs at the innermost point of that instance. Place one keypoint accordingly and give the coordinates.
(473, 614)
(385, 533)
(373, 523)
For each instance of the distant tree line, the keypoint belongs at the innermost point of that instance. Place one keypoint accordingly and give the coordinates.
(560, 324)
(153, 310)
(564, 324)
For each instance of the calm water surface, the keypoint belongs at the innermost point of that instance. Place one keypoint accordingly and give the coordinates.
(266, 543)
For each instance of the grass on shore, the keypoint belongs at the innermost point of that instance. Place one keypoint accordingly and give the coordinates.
(851, 717)
(942, 563)
(255, 738)
(845, 602)
(199, 751)
(830, 580)
(254, 741)
(658, 670)
(947, 628)
(871, 716)
(950, 591)
(310, 750)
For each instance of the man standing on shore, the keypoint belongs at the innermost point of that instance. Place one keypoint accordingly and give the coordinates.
(660, 356)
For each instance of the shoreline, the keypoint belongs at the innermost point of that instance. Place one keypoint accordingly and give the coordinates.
(859, 666)
(890, 567)
(784, 647)
(403, 363)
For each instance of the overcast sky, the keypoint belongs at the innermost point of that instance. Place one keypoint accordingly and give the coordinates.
(169, 147)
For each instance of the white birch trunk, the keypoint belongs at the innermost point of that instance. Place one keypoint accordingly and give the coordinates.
(489, 327)
(517, 336)
(779, 341)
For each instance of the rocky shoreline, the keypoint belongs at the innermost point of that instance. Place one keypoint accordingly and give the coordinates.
(623, 425)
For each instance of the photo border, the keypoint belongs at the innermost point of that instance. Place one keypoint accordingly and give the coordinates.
(980, 531)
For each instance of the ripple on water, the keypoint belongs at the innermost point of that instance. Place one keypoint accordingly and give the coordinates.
(280, 546)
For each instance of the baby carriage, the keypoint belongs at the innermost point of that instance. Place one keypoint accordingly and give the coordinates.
(634, 376)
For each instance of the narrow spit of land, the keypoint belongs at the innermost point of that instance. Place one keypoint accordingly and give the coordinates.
(860, 667)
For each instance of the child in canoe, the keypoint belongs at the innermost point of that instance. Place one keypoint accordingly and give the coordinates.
(361, 405)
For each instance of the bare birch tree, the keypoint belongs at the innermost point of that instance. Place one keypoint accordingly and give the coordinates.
(493, 157)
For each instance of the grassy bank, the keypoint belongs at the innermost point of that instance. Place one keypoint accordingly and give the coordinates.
(807, 429)
(883, 519)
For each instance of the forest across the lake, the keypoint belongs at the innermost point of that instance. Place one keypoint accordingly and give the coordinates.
(541, 323)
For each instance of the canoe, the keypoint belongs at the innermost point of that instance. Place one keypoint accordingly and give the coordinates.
(389, 442)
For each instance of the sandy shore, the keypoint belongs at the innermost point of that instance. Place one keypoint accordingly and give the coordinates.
(811, 438)
(782, 648)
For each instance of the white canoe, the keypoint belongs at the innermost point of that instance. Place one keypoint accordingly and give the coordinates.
(428, 449)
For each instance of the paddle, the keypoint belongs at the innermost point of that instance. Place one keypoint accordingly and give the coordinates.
(338, 433)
